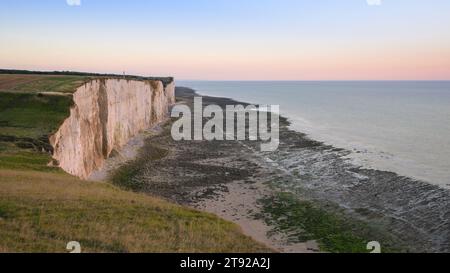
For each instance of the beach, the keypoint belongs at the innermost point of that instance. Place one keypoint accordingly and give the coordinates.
(260, 191)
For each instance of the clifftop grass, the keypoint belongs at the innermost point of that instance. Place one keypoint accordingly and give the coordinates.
(28, 118)
(40, 83)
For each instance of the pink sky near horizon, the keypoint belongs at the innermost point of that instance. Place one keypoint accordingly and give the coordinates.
(312, 65)
(296, 40)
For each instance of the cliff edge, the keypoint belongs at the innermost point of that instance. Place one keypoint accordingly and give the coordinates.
(106, 113)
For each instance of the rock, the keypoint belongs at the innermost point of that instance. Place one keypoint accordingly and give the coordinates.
(105, 115)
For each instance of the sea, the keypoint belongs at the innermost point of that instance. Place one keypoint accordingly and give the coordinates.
(396, 126)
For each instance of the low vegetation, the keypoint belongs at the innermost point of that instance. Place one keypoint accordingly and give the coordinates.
(40, 83)
(28, 118)
(335, 232)
(42, 212)
(126, 176)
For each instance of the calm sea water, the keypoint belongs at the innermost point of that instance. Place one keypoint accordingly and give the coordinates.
(402, 127)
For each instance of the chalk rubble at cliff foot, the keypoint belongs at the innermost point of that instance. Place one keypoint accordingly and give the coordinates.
(105, 115)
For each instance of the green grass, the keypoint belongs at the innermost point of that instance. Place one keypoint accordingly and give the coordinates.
(32, 116)
(16, 159)
(26, 122)
(40, 83)
(125, 175)
(42, 212)
(65, 84)
(335, 232)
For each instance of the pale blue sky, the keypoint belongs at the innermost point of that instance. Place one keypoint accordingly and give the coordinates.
(231, 39)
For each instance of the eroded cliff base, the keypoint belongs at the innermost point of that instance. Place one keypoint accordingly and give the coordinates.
(106, 114)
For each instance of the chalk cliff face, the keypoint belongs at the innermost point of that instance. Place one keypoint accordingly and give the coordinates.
(105, 115)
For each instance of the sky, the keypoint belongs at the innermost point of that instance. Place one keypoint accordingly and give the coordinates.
(231, 39)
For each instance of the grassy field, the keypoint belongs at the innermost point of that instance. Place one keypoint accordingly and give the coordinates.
(42, 212)
(28, 118)
(40, 83)
(42, 208)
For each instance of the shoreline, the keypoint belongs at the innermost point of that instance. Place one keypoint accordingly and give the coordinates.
(364, 152)
(229, 180)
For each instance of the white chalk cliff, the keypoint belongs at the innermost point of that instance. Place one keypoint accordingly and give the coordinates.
(105, 115)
